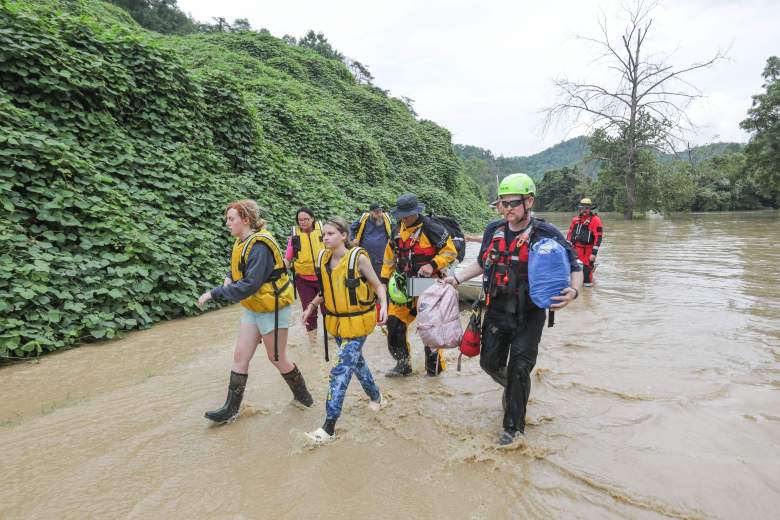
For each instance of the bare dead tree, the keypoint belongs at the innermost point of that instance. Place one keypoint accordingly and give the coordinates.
(646, 106)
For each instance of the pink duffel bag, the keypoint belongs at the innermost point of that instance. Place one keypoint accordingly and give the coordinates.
(438, 317)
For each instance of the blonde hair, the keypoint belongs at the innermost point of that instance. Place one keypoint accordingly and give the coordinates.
(340, 224)
(248, 210)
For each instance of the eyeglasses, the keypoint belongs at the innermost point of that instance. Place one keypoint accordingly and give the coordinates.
(511, 203)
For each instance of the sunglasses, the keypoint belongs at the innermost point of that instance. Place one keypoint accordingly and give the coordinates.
(511, 203)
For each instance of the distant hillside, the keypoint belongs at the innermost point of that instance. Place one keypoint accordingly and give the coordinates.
(482, 166)
(567, 153)
(704, 152)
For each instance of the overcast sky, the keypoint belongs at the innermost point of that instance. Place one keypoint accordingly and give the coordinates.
(484, 70)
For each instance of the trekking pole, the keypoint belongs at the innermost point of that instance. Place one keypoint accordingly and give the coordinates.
(325, 339)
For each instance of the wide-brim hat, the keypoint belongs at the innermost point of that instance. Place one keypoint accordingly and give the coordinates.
(407, 205)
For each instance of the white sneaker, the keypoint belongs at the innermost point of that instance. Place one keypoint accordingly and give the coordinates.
(375, 406)
(320, 436)
(586, 284)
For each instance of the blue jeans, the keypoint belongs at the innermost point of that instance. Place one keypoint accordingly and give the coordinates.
(350, 359)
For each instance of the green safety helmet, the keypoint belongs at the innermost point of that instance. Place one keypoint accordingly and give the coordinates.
(397, 289)
(517, 184)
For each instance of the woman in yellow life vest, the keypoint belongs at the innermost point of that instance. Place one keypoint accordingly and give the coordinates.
(350, 289)
(303, 247)
(259, 280)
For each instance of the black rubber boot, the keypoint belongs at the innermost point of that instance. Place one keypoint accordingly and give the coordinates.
(295, 381)
(434, 363)
(229, 410)
(401, 369)
(508, 437)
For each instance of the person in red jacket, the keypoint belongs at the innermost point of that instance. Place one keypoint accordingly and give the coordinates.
(585, 234)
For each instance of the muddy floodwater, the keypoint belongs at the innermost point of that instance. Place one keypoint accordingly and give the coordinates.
(657, 394)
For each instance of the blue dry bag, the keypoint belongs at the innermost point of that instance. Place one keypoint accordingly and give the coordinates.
(548, 271)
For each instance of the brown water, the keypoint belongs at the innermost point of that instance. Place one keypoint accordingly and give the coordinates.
(656, 395)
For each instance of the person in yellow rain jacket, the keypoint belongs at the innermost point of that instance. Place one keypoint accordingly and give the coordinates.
(419, 247)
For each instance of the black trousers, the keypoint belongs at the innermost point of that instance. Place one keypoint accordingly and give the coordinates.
(510, 344)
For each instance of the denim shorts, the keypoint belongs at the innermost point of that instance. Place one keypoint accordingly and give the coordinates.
(264, 321)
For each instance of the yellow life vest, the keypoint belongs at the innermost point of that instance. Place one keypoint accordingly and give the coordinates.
(306, 250)
(364, 219)
(277, 292)
(349, 300)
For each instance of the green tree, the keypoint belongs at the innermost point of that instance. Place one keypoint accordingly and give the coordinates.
(162, 16)
(674, 187)
(615, 162)
(241, 24)
(360, 71)
(763, 150)
(561, 190)
(320, 44)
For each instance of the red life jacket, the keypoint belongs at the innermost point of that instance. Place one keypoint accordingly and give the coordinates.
(410, 255)
(506, 268)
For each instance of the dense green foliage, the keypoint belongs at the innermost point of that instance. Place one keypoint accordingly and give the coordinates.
(317, 42)
(763, 151)
(561, 190)
(700, 180)
(119, 149)
(165, 17)
(162, 16)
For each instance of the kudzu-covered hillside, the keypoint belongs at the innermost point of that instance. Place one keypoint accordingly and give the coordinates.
(120, 147)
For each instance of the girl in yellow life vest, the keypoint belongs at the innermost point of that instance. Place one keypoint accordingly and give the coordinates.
(259, 280)
(303, 247)
(350, 288)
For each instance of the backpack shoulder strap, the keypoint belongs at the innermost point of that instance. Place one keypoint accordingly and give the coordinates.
(435, 231)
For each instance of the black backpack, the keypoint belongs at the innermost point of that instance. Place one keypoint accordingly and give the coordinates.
(453, 228)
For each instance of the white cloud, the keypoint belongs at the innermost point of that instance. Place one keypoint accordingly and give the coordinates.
(484, 69)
